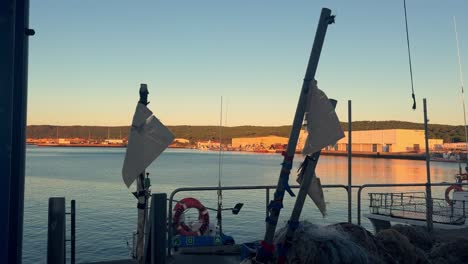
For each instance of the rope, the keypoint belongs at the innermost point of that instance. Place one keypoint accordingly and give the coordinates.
(409, 57)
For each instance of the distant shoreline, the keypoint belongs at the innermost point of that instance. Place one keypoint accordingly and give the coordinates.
(81, 145)
(405, 156)
(449, 133)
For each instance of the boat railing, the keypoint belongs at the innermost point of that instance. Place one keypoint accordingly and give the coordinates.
(416, 200)
(267, 189)
(442, 210)
(412, 205)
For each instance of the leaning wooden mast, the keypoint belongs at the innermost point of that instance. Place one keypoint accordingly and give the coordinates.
(275, 205)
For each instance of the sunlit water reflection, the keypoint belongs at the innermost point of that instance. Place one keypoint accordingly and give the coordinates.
(106, 210)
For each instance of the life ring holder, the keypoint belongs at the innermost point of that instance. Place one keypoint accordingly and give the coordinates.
(203, 216)
(456, 188)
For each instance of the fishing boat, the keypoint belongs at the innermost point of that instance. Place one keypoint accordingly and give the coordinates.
(411, 208)
(449, 156)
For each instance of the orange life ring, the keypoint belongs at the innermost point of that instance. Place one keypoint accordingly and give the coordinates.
(457, 188)
(180, 208)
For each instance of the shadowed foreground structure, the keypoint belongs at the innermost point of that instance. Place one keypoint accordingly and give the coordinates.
(349, 243)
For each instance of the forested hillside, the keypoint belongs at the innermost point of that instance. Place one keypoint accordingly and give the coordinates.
(194, 133)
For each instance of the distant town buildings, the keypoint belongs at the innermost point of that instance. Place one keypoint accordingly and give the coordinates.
(387, 140)
(113, 141)
(258, 143)
(181, 141)
(206, 145)
(459, 146)
(368, 141)
(63, 141)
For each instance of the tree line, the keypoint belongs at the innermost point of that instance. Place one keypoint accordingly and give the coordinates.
(195, 133)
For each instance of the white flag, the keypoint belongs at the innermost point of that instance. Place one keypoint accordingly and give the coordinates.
(315, 192)
(148, 139)
(323, 126)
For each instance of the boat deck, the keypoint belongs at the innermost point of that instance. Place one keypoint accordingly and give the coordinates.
(405, 206)
(375, 218)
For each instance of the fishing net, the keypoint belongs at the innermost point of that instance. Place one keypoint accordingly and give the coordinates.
(317, 244)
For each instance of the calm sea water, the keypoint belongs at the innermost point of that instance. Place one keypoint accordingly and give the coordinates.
(106, 210)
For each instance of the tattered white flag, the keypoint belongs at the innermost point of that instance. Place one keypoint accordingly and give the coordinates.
(323, 126)
(324, 129)
(148, 139)
(315, 192)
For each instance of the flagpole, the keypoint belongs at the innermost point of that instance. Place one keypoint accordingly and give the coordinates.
(275, 206)
(141, 193)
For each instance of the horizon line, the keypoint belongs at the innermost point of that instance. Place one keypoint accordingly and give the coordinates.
(56, 125)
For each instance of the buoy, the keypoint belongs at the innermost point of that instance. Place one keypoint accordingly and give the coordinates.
(203, 216)
(456, 188)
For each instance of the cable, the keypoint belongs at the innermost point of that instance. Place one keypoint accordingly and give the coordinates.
(409, 57)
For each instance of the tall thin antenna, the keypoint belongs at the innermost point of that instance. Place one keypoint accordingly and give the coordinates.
(225, 125)
(462, 85)
(220, 193)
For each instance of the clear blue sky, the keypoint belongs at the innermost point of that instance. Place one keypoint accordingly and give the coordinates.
(88, 58)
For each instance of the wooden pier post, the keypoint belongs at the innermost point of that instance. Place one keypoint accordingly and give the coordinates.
(72, 231)
(158, 228)
(56, 231)
(156, 239)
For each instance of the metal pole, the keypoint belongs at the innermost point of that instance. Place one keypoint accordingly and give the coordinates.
(359, 205)
(56, 231)
(220, 193)
(7, 48)
(350, 147)
(267, 200)
(272, 219)
(22, 32)
(72, 231)
(169, 225)
(428, 172)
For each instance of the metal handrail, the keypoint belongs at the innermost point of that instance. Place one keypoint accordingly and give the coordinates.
(267, 196)
(360, 188)
(230, 188)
